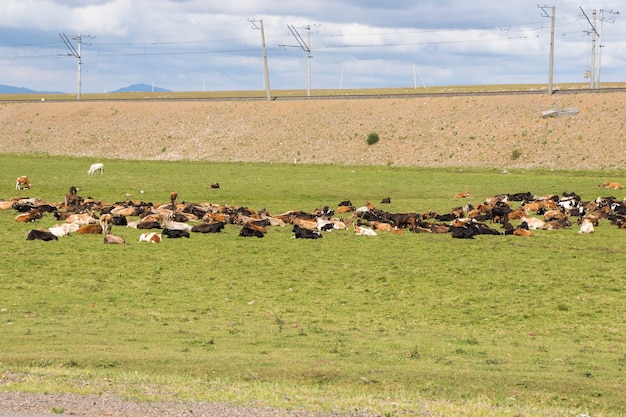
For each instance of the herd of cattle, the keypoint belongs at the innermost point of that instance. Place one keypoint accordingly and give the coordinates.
(493, 216)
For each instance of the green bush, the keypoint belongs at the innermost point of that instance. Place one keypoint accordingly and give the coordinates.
(372, 138)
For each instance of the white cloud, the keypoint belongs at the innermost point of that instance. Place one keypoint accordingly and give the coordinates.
(184, 44)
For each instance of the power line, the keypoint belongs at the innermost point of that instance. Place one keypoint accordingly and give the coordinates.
(76, 53)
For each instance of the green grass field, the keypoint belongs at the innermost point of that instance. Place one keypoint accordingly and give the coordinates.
(394, 324)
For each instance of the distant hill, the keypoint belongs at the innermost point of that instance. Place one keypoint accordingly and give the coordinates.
(135, 88)
(9, 89)
(141, 88)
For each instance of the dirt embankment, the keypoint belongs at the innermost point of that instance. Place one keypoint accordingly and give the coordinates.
(460, 131)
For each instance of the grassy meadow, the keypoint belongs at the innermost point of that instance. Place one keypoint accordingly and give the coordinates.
(394, 325)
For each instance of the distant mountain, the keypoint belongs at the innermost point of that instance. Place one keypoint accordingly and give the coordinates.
(135, 88)
(141, 88)
(8, 89)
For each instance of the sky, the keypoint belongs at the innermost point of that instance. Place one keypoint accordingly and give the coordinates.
(210, 45)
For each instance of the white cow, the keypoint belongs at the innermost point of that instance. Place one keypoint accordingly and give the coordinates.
(586, 226)
(64, 229)
(365, 231)
(533, 222)
(151, 237)
(96, 167)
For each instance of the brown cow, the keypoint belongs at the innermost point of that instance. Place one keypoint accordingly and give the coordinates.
(22, 183)
(611, 185)
(557, 225)
(90, 229)
(303, 223)
(344, 209)
(382, 226)
(106, 221)
(522, 232)
(173, 198)
(30, 216)
(555, 214)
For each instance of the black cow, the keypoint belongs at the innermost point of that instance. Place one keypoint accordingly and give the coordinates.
(119, 220)
(148, 225)
(500, 212)
(448, 217)
(247, 232)
(47, 208)
(483, 229)
(301, 233)
(175, 234)
(23, 207)
(463, 232)
(208, 227)
(179, 217)
(527, 196)
(326, 227)
(40, 235)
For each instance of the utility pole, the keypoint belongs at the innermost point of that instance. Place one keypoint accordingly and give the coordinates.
(76, 53)
(551, 64)
(306, 47)
(266, 72)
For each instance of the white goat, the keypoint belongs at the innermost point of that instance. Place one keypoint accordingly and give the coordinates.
(96, 167)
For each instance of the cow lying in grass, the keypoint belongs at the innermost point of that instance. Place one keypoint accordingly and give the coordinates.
(246, 231)
(611, 185)
(302, 233)
(90, 229)
(64, 229)
(208, 227)
(586, 226)
(112, 239)
(30, 216)
(174, 234)
(365, 231)
(151, 237)
(37, 234)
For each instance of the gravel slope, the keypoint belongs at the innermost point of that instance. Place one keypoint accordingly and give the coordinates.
(465, 131)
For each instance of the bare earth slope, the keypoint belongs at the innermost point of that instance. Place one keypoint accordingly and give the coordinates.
(461, 131)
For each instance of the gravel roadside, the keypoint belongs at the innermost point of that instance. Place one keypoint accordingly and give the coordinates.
(16, 404)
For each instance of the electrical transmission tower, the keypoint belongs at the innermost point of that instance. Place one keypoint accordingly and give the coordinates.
(306, 47)
(76, 53)
(551, 66)
(596, 43)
